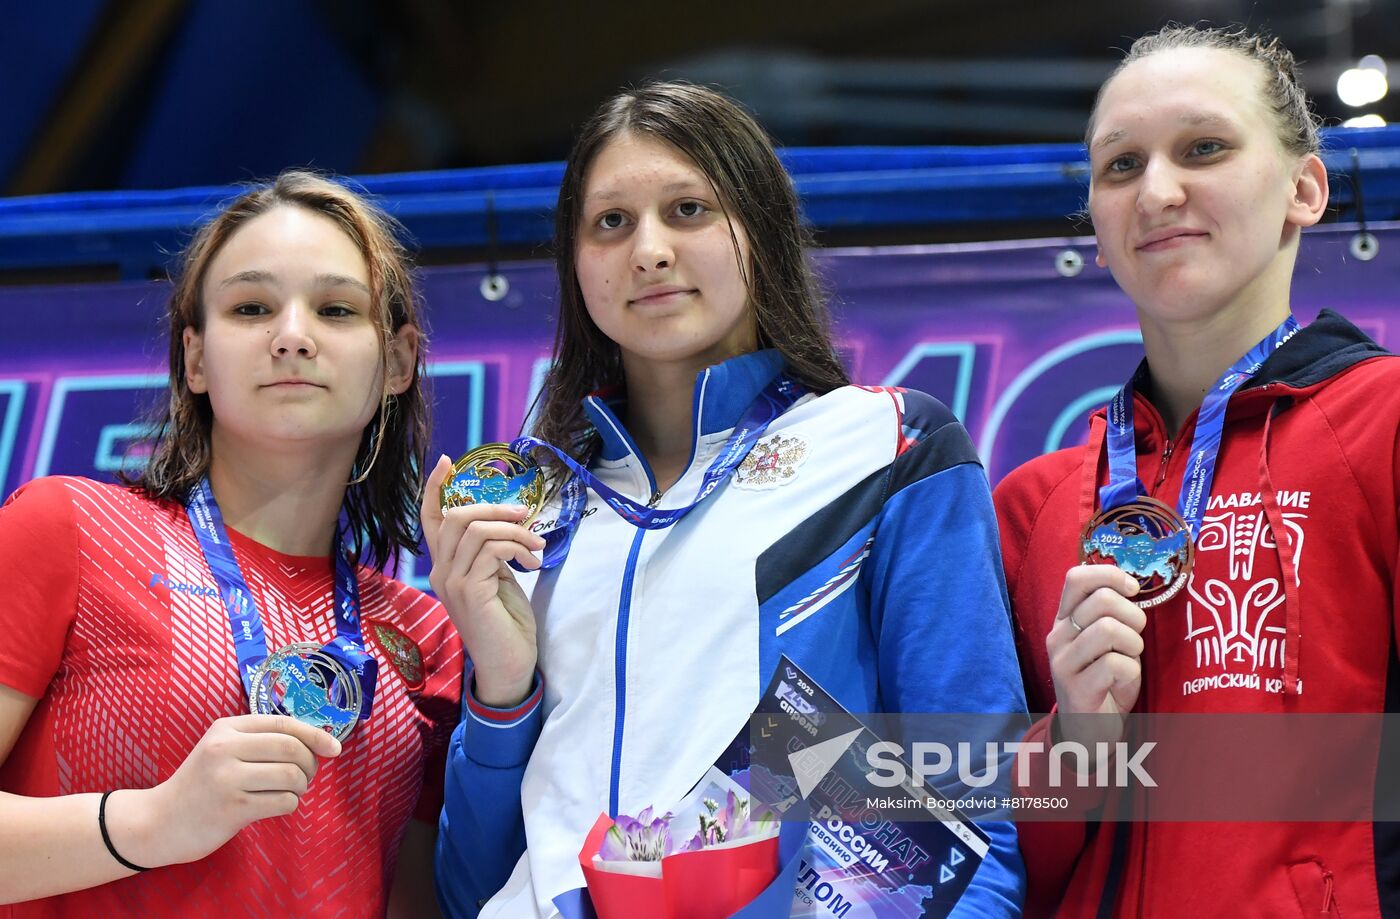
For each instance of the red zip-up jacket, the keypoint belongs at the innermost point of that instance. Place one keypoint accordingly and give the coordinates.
(1309, 450)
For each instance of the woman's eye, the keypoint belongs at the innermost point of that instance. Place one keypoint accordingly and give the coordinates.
(690, 209)
(1121, 164)
(612, 220)
(1206, 148)
(249, 309)
(337, 310)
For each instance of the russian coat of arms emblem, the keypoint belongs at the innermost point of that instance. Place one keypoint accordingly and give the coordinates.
(772, 462)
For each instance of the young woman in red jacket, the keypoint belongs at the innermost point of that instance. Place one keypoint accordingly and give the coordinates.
(1269, 450)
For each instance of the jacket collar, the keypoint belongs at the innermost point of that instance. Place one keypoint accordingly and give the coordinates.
(722, 393)
(1319, 351)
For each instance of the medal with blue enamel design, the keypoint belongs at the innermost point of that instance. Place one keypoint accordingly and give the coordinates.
(304, 682)
(1146, 539)
(494, 474)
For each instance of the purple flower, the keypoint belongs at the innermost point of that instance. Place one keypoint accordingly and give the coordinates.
(637, 840)
(644, 839)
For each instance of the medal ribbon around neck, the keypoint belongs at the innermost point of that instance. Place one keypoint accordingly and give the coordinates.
(345, 652)
(775, 399)
(1141, 534)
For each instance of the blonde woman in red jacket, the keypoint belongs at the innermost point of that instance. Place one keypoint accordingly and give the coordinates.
(1205, 171)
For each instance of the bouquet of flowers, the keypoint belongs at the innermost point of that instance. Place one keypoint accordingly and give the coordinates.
(707, 862)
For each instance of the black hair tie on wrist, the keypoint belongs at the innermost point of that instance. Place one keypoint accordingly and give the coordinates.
(107, 839)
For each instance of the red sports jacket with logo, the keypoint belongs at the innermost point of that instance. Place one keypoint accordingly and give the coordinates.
(1317, 428)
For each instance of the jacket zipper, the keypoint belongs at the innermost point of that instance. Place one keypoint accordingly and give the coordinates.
(1162, 469)
(1167, 450)
(624, 614)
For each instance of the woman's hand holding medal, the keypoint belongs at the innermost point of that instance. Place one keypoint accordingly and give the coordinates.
(470, 546)
(244, 768)
(1095, 650)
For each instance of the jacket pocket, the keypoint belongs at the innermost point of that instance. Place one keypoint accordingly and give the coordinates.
(1313, 886)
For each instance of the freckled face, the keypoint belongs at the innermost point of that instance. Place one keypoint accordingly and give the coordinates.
(656, 257)
(1191, 189)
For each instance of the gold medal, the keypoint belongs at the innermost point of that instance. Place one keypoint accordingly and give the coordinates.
(494, 474)
(1146, 539)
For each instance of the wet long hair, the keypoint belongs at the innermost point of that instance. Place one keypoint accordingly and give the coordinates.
(381, 500)
(753, 189)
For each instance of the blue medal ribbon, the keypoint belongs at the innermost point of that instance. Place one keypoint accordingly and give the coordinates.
(1124, 486)
(775, 399)
(249, 638)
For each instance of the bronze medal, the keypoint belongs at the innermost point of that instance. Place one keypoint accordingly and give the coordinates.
(1148, 540)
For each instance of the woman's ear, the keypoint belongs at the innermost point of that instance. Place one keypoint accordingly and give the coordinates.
(401, 360)
(194, 361)
(1309, 192)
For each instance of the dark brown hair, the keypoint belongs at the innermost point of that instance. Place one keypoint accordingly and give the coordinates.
(381, 501)
(1283, 93)
(754, 190)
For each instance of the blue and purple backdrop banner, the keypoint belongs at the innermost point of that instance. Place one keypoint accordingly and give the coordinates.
(1020, 346)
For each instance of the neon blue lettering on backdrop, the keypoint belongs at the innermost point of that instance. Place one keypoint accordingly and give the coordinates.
(459, 399)
(921, 367)
(64, 428)
(1085, 355)
(15, 392)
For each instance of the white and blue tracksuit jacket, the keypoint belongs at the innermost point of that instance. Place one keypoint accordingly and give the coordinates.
(874, 566)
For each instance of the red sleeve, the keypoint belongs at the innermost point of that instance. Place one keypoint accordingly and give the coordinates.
(38, 583)
(1395, 571)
